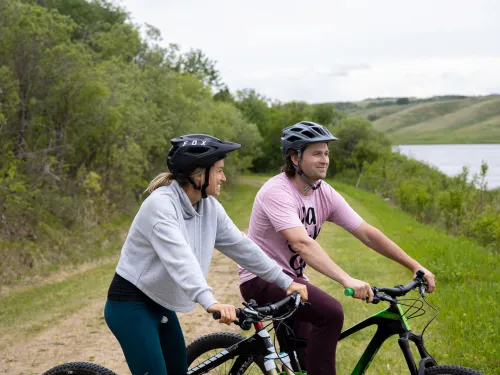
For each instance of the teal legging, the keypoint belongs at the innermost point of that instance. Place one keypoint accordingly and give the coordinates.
(150, 346)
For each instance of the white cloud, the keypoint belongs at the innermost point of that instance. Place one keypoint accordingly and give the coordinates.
(339, 50)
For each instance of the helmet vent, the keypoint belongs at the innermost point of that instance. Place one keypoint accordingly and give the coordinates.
(319, 130)
(308, 134)
(197, 150)
(293, 138)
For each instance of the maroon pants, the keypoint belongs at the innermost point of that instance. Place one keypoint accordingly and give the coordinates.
(320, 323)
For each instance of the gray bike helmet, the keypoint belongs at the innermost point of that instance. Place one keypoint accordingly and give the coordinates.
(192, 151)
(298, 136)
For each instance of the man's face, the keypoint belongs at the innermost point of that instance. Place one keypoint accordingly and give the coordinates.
(314, 162)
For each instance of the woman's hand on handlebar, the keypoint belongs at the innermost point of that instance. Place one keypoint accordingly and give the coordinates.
(227, 312)
(362, 290)
(299, 288)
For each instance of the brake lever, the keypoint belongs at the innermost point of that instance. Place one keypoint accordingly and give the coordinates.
(385, 297)
(422, 290)
(250, 311)
(246, 324)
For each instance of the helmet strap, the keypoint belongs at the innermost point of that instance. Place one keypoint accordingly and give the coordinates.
(205, 185)
(202, 188)
(193, 184)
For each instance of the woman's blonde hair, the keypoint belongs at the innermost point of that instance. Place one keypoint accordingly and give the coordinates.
(166, 178)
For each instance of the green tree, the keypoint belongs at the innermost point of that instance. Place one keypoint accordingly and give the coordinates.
(359, 144)
(90, 16)
(324, 114)
(224, 95)
(196, 63)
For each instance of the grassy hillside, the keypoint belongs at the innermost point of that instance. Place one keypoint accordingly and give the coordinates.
(469, 120)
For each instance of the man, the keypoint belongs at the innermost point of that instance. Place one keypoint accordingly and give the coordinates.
(287, 216)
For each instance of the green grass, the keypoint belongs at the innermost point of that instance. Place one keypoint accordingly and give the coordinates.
(465, 332)
(29, 260)
(237, 200)
(23, 314)
(377, 112)
(418, 113)
(448, 126)
(470, 120)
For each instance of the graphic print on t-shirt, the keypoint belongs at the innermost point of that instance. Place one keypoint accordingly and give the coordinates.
(308, 218)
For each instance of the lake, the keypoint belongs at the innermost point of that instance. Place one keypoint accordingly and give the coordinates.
(451, 158)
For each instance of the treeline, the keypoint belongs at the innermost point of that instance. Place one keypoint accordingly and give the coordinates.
(87, 109)
(383, 102)
(88, 104)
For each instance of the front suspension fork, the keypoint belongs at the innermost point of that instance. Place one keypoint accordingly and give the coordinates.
(426, 359)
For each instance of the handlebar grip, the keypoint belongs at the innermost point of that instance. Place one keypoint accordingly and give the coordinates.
(216, 315)
(349, 292)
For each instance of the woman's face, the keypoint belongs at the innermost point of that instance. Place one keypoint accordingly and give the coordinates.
(217, 177)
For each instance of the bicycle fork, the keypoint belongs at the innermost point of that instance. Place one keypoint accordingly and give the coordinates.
(426, 359)
(272, 356)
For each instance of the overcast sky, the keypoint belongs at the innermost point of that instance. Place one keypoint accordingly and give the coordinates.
(338, 50)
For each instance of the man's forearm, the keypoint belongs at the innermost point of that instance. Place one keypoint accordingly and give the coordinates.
(314, 255)
(384, 246)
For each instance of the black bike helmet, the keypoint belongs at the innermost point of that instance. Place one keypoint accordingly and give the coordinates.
(193, 151)
(298, 136)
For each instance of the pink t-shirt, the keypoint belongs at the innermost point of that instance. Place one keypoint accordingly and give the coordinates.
(279, 205)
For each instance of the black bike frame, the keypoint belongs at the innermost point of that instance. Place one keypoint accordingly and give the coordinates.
(255, 346)
(390, 321)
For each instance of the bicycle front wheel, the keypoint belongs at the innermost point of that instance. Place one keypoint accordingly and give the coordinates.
(451, 370)
(79, 368)
(200, 350)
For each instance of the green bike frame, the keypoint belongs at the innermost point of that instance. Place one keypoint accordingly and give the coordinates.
(390, 321)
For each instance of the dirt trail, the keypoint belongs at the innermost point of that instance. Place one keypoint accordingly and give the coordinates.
(84, 336)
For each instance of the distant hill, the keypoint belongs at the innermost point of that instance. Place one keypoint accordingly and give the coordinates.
(445, 119)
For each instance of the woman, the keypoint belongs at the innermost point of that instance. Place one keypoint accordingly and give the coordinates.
(167, 253)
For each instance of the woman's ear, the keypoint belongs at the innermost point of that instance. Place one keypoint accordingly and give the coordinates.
(200, 178)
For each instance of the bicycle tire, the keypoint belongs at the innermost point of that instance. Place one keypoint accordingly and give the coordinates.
(220, 341)
(451, 370)
(79, 368)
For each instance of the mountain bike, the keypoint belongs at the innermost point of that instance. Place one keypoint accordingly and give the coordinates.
(230, 353)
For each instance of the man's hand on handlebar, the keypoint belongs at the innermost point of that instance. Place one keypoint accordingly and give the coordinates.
(429, 278)
(362, 290)
(299, 288)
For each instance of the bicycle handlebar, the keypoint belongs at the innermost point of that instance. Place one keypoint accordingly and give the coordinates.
(264, 310)
(397, 291)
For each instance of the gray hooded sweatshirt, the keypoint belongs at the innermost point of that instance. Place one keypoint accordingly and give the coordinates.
(169, 247)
